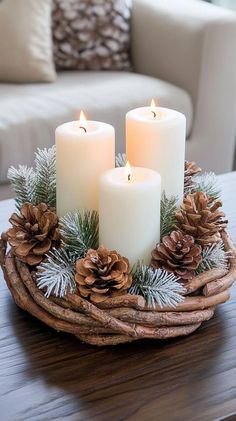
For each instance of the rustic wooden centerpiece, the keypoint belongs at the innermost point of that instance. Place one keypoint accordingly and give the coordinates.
(95, 294)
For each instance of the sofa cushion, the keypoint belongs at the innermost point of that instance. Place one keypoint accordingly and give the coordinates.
(91, 34)
(26, 41)
(29, 114)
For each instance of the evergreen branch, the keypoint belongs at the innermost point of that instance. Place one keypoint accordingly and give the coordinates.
(56, 275)
(213, 256)
(45, 186)
(80, 231)
(168, 209)
(157, 286)
(206, 183)
(120, 160)
(23, 183)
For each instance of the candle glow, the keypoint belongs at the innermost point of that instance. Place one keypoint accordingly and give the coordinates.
(128, 170)
(153, 108)
(82, 121)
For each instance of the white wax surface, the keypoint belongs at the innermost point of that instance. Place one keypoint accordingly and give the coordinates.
(158, 143)
(81, 158)
(129, 212)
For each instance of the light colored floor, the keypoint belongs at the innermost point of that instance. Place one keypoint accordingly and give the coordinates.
(5, 192)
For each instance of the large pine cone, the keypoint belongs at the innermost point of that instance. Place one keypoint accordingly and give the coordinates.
(179, 254)
(200, 217)
(102, 274)
(190, 169)
(34, 232)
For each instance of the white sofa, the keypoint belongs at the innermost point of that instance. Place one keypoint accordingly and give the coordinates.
(184, 55)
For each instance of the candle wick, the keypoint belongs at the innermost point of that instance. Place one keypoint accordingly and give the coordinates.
(129, 177)
(154, 114)
(81, 127)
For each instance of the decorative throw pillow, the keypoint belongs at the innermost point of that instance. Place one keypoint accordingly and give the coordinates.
(26, 41)
(92, 34)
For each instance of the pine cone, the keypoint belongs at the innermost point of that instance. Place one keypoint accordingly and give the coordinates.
(34, 232)
(199, 216)
(102, 274)
(190, 170)
(179, 254)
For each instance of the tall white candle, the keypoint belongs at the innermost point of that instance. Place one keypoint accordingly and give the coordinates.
(84, 150)
(155, 138)
(129, 212)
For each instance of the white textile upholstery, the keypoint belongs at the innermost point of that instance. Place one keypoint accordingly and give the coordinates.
(29, 114)
(191, 44)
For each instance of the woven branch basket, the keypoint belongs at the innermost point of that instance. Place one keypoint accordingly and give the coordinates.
(125, 318)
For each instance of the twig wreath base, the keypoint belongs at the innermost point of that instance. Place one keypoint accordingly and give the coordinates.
(125, 318)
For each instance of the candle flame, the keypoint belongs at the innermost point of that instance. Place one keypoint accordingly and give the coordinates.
(153, 104)
(128, 170)
(82, 121)
(153, 108)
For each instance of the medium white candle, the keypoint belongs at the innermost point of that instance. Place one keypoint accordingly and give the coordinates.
(155, 138)
(129, 212)
(84, 150)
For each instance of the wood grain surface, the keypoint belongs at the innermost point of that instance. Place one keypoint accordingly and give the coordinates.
(50, 376)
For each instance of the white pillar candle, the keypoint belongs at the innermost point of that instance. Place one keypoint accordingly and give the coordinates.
(155, 138)
(84, 150)
(129, 212)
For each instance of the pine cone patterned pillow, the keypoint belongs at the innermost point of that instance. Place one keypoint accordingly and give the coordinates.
(91, 34)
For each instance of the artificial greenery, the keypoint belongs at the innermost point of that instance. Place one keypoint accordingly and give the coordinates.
(35, 185)
(157, 286)
(45, 180)
(22, 180)
(120, 160)
(213, 256)
(79, 231)
(207, 183)
(168, 210)
(56, 275)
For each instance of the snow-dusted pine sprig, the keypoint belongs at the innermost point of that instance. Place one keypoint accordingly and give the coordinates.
(45, 186)
(120, 160)
(207, 183)
(168, 209)
(35, 186)
(56, 275)
(79, 231)
(22, 180)
(214, 256)
(157, 286)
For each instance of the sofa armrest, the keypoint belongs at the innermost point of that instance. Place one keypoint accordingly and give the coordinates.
(192, 44)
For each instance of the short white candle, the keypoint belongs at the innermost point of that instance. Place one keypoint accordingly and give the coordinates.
(84, 150)
(155, 138)
(129, 212)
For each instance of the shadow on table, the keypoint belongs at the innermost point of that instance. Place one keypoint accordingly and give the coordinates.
(63, 361)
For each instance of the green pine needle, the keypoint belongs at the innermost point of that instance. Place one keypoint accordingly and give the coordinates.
(56, 275)
(36, 186)
(213, 256)
(23, 183)
(206, 183)
(45, 187)
(157, 286)
(168, 209)
(80, 231)
(120, 160)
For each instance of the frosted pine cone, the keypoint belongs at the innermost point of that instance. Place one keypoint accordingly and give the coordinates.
(190, 170)
(179, 254)
(102, 274)
(34, 231)
(200, 217)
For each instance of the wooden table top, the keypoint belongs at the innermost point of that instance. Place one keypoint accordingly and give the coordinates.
(50, 376)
